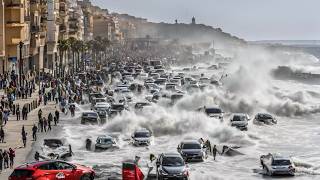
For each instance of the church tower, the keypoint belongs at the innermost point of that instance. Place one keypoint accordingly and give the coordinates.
(193, 20)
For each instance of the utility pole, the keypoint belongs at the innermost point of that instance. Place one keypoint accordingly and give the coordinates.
(20, 63)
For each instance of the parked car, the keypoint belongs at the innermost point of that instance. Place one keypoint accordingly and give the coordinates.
(274, 164)
(240, 121)
(264, 118)
(172, 166)
(141, 137)
(192, 150)
(52, 170)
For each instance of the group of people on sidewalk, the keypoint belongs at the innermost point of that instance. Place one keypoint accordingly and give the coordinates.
(7, 159)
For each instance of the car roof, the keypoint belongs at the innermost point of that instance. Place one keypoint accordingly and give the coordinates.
(171, 154)
(105, 137)
(279, 157)
(37, 164)
(142, 130)
(190, 142)
(239, 114)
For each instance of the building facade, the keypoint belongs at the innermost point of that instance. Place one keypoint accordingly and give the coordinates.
(16, 32)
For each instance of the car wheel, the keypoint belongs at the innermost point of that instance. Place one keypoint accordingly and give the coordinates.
(86, 177)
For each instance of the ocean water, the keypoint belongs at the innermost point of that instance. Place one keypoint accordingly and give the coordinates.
(247, 87)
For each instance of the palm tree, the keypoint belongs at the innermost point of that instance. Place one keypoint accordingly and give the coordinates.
(72, 41)
(106, 44)
(63, 46)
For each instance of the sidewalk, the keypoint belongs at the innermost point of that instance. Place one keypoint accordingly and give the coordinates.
(13, 128)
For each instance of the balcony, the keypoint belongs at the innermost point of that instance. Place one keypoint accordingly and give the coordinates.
(34, 1)
(14, 41)
(15, 24)
(14, 4)
(63, 28)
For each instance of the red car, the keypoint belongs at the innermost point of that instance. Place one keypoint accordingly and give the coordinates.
(52, 170)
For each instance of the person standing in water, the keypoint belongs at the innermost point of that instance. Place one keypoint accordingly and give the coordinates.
(214, 152)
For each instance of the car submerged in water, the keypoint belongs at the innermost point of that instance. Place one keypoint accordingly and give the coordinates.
(192, 150)
(171, 166)
(105, 142)
(213, 112)
(264, 118)
(274, 164)
(52, 170)
(141, 137)
(90, 117)
(240, 121)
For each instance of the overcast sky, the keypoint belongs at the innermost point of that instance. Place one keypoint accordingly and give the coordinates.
(249, 19)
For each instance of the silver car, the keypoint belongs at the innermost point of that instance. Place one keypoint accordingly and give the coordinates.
(274, 164)
(141, 137)
(192, 150)
(240, 121)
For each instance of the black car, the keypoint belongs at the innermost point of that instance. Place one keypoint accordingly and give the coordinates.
(90, 118)
(171, 166)
(264, 118)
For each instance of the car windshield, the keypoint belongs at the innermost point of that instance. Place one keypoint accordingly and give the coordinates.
(265, 116)
(213, 110)
(105, 141)
(101, 109)
(191, 146)
(90, 115)
(282, 162)
(141, 134)
(172, 161)
(238, 118)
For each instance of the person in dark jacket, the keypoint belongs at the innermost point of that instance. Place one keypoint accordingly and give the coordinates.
(24, 113)
(18, 112)
(57, 114)
(24, 137)
(12, 155)
(37, 156)
(34, 132)
(5, 159)
(1, 160)
(1, 135)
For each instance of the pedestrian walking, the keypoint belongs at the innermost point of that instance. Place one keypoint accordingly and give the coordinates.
(57, 114)
(5, 159)
(55, 120)
(45, 124)
(18, 112)
(1, 160)
(40, 124)
(24, 113)
(214, 152)
(34, 132)
(1, 135)
(40, 114)
(11, 157)
(24, 137)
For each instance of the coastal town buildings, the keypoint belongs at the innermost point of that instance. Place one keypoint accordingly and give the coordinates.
(53, 21)
(2, 37)
(17, 36)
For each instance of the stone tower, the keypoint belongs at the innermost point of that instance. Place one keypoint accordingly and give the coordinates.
(193, 20)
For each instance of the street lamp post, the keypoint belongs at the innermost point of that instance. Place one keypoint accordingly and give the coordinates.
(56, 69)
(20, 63)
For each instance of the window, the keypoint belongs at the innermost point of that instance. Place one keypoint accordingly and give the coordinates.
(48, 166)
(63, 166)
